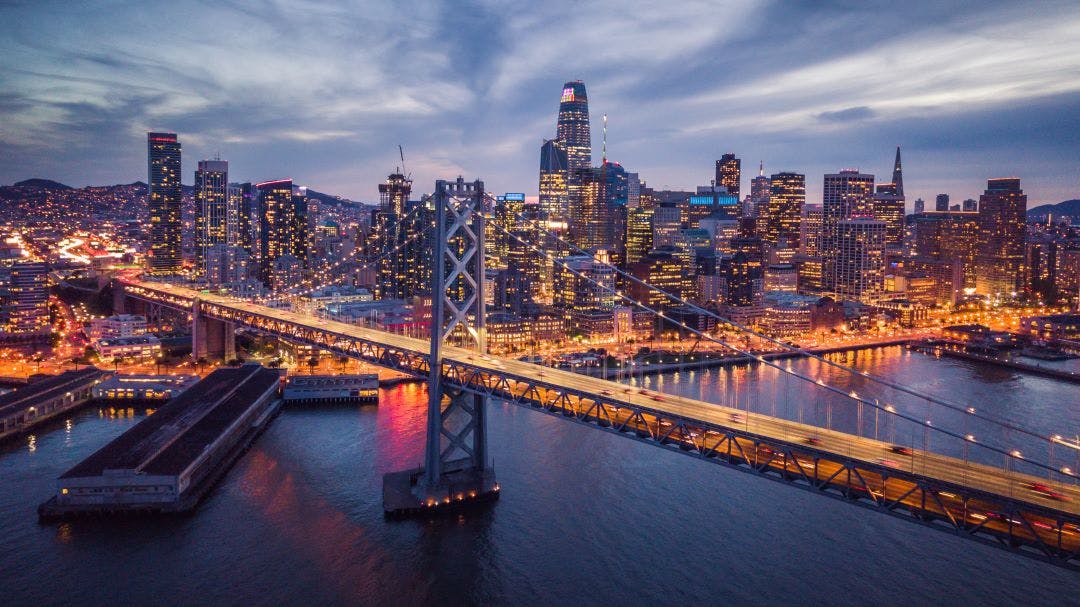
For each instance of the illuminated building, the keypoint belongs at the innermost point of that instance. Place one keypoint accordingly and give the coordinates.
(164, 201)
(920, 206)
(970, 205)
(889, 207)
(212, 225)
(287, 271)
(582, 282)
(119, 325)
(760, 186)
(573, 130)
(781, 277)
(227, 266)
(134, 346)
(898, 175)
(280, 219)
(1056, 326)
(949, 236)
(242, 203)
(710, 201)
(810, 230)
(810, 272)
(784, 208)
(554, 198)
(666, 271)
(728, 174)
(24, 307)
(1002, 217)
(667, 221)
(848, 195)
(860, 259)
(394, 194)
(721, 230)
(639, 233)
(598, 216)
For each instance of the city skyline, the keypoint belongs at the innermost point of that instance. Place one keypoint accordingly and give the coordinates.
(993, 107)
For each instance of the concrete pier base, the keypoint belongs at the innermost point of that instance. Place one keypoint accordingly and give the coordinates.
(406, 494)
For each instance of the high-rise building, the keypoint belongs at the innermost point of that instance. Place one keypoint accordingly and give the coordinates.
(970, 205)
(941, 203)
(164, 202)
(898, 175)
(848, 195)
(948, 237)
(598, 219)
(760, 187)
(729, 173)
(860, 259)
(212, 217)
(25, 305)
(1002, 217)
(572, 129)
(785, 206)
(889, 208)
(242, 203)
(639, 233)
(920, 206)
(810, 230)
(394, 193)
(278, 220)
(554, 198)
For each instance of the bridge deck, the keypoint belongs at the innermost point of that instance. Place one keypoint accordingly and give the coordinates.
(922, 480)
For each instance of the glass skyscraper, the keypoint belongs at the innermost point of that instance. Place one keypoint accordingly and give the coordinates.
(164, 200)
(212, 217)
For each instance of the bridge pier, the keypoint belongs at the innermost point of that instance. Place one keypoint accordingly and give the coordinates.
(210, 338)
(455, 471)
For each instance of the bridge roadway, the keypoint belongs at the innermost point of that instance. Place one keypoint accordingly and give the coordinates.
(1029, 514)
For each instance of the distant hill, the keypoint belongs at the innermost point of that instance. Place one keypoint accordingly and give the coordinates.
(46, 184)
(329, 198)
(1070, 208)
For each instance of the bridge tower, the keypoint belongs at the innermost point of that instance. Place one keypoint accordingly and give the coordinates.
(455, 469)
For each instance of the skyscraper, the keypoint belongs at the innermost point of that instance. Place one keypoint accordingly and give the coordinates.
(164, 200)
(572, 130)
(941, 203)
(728, 173)
(898, 175)
(212, 220)
(1002, 217)
(554, 201)
(848, 194)
(277, 224)
(394, 193)
(785, 207)
(860, 259)
(598, 221)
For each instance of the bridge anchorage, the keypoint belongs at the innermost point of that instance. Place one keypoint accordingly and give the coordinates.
(455, 472)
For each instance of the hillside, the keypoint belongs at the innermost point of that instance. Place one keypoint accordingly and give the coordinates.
(1069, 208)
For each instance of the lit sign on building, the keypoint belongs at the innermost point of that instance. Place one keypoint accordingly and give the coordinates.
(514, 196)
(567, 94)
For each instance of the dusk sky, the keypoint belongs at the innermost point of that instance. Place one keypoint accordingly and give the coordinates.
(323, 92)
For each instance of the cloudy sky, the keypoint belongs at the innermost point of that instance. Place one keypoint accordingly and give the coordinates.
(324, 91)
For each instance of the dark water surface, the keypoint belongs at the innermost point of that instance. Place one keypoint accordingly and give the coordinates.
(585, 517)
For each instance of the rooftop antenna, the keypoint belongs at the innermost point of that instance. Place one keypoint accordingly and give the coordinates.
(604, 152)
(761, 168)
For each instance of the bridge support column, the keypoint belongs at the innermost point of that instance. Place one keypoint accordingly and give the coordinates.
(456, 472)
(210, 338)
(119, 297)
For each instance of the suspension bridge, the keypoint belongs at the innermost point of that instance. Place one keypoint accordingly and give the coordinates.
(1028, 506)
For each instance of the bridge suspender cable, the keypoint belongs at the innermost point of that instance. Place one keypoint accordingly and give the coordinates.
(874, 378)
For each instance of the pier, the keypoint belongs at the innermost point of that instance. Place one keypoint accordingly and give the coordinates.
(35, 403)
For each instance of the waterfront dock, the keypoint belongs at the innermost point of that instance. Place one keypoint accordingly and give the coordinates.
(331, 389)
(954, 351)
(167, 462)
(35, 403)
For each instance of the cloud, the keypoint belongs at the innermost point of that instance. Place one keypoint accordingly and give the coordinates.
(324, 91)
(849, 114)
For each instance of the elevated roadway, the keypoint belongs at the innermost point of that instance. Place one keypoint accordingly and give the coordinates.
(1024, 513)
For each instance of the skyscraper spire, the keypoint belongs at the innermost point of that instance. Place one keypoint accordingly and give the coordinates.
(603, 153)
(761, 168)
(897, 175)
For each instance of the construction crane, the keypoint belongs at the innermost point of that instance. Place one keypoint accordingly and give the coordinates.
(401, 152)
